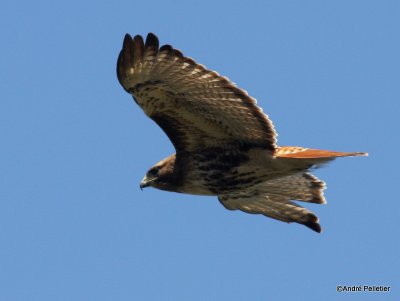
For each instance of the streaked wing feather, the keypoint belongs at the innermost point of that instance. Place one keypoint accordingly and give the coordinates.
(274, 199)
(303, 187)
(273, 206)
(203, 108)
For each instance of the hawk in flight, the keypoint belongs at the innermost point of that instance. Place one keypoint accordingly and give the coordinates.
(225, 145)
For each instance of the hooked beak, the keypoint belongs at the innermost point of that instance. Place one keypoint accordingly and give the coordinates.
(145, 183)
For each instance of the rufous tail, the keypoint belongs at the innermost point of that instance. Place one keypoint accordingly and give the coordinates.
(297, 152)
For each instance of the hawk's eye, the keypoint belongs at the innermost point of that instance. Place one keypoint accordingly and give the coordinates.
(153, 172)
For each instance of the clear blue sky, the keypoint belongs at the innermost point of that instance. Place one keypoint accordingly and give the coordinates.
(74, 224)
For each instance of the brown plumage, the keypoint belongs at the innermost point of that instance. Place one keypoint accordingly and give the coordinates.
(225, 145)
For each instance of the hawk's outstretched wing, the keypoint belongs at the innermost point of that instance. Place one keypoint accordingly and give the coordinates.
(273, 199)
(195, 107)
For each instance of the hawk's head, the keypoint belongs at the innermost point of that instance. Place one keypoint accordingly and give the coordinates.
(162, 175)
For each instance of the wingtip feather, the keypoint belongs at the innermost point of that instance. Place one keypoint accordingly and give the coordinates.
(167, 48)
(132, 55)
(313, 223)
(124, 58)
(152, 41)
(314, 226)
(138, 46)
(127, 38)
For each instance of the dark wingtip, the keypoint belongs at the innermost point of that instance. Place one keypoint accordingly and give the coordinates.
(126, 44)
(128, 51)
(127, 37)
(178, 53)
(125, 58)
(312, 223)
(152, 44)
(151, 41)
(133, 51)
(314, 226)
(138, 45)
(167, 48)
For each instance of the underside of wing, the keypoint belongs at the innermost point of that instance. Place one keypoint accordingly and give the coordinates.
(274, 199)
(196, 107)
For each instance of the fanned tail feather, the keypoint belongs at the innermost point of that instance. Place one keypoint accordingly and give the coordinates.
(308, 153)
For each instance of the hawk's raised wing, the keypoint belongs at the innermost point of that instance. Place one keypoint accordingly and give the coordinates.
(195, 107)
(273, 199)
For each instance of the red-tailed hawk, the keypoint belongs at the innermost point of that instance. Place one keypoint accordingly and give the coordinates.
(225, 145)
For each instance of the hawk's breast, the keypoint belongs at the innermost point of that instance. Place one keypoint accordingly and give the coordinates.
(218, 171)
